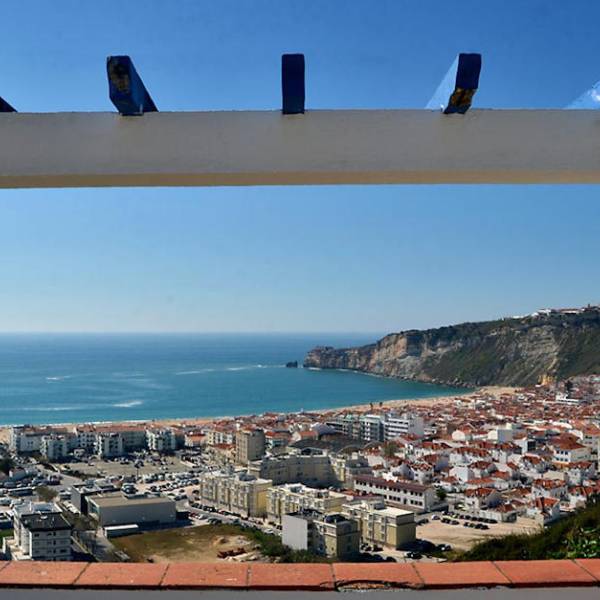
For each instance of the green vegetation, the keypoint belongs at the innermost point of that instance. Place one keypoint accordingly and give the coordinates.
(45, 494)
(6, 533)
(6, 464)
(515, 351)
(390, 449)
(576, 536)
(271, 546)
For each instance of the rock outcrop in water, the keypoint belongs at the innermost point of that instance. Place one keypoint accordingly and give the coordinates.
(516, 351)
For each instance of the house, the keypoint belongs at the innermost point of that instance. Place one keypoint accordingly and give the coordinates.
(544, 510)
(482, 498)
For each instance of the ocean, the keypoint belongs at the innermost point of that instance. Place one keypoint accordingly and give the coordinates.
(51, 378)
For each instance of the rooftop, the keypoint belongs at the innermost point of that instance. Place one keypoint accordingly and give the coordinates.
(119, 499)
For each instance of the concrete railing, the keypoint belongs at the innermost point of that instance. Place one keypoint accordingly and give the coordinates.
(308, 577)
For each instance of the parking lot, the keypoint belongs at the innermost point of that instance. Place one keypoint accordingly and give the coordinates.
(463, 534)
(136, 466)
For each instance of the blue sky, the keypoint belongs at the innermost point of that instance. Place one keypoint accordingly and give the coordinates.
(294, 259)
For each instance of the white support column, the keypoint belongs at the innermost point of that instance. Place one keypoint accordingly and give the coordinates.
(319, 147)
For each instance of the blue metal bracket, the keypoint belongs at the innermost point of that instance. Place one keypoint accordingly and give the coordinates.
(126, 88)
(6, 107)
(292, 84)
(455, 93)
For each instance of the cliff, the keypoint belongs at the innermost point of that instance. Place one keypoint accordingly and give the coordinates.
(516, 351)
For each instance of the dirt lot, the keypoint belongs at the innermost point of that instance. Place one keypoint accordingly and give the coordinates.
(200, 544)
(463, 538)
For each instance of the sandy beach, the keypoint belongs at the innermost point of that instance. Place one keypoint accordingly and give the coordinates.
(399, 404)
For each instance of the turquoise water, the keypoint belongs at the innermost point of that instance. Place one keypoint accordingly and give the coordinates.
(83, 377)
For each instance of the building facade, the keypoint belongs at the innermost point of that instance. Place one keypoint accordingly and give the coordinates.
(382, 525)
(161, 440)
(295, 497)
(407, 493)
(396, 426)
(41, 532)
(308, 467)
(249, 445)
(118, 509)
(237, 493)
(332, 535)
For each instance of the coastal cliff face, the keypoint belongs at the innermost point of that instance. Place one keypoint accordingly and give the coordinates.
(514, 352)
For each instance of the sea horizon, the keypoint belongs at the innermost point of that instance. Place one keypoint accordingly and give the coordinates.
(116, 376)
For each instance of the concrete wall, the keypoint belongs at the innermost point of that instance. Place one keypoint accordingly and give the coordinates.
(294, 532)
(320, 147)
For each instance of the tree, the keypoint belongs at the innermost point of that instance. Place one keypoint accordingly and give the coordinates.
(441, 494)
(389, 449)
(6, 464)
(45, 494)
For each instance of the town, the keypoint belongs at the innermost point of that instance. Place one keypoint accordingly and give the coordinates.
(388, 482)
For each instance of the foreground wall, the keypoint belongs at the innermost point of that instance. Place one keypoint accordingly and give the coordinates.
(319, 147)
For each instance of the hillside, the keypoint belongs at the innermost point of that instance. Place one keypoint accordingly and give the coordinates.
(576, 536)
(513, 352)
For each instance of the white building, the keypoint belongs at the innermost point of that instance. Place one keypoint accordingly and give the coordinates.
(55, 447)
(295, 497)
(27, 439)
(108, 445)
(41, 532)
(405, 424)
(118, 509)
(372, 428)
(332, 535)
(161, 440)
(406, 493)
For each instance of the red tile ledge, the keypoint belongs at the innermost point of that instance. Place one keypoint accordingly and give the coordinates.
(225, 575)
(460, 575)
(40, 574)
(122, 575)
(591, 565)
(317, 576)
(545, 573)
(309, 577)
(376, 575)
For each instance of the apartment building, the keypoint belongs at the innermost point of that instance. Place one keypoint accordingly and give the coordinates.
(238, 493)
(133, 436)
(333, 535)
(109, 445)
(249, 445)
(295, 497)
(381, 525)
(86, 437)
(55, 447)
(346, 468)
(407, 493)
(310, 467)
(568, 451)
(27, 439)
(41, 532)
(348, 425)
(161, 440)
(219, 435)
(396, 426)
(372, 428)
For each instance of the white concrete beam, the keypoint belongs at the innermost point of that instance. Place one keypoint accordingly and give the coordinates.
(319, 147)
